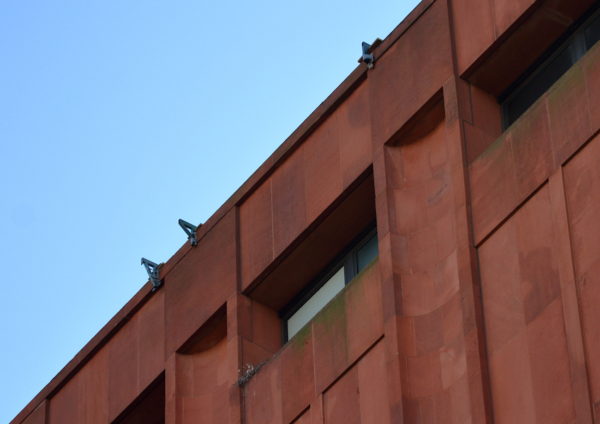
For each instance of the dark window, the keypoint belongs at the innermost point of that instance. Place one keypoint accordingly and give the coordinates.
(366, 253)
(551, 66)
(592, 32)
(350, 263)
(148, 407)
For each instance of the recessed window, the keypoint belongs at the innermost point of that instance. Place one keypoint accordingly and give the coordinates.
(354, 259)
(148, 407)
(551, 66)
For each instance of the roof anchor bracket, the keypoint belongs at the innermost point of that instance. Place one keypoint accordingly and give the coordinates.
(367, 56)
(153, 273)
(190, 230)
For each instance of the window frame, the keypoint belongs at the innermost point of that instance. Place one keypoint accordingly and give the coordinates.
(575, 39)
(347, 258)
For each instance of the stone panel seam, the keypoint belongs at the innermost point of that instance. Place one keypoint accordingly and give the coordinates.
(238, 251)
(472, 250)
(580, 147)
(560, 177)
(583, 143)
(300, 414)
(492, 4)
(484, 238)
(478, 244)
(353, 363)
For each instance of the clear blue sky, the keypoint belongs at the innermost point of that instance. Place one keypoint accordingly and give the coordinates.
(119, 117)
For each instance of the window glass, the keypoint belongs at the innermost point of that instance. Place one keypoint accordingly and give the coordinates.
(541, 81)
(333, 286)
(313, 298)
(592, 33)
(558, 61)
(367, 253)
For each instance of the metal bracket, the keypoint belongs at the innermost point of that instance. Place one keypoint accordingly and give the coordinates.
(190, 230)
(153, 273)
(367, 57)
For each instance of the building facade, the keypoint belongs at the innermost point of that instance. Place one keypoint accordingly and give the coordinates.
(424, 248)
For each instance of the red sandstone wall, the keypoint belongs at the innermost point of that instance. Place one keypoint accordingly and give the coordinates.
(530, 189)
(304, 185)
(482, 306)
(333, 370)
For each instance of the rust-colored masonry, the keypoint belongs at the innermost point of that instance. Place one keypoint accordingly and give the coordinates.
(484, 303)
